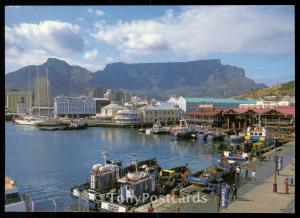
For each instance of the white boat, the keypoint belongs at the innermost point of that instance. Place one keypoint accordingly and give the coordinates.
(29, 120)
(14, 201)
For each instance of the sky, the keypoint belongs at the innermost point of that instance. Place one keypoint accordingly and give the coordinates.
(259, 39)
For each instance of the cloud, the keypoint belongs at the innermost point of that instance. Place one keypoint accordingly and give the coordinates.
(99, 13)
(201, 30)
(52, 35)
(15, 58)
(91, 55)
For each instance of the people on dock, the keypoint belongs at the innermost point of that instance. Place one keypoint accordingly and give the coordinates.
(237, 174)
(245, 175)
(234, 192)
(253, 174)
(150, 208)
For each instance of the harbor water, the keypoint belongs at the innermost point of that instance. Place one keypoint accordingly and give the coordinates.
(46, 164)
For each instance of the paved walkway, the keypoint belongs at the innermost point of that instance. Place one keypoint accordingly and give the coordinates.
(258, 197)
(253, 197)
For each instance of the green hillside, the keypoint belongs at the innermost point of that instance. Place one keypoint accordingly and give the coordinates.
(278, 90)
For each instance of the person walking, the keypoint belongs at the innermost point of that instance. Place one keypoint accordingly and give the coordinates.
(253, 174)
(237, 174)
(286, 183)
(246, 172)
(234, 192)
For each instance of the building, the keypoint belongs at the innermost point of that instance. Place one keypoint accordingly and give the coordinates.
(14, 96)
(218, 103)
(208, 117)
(41, 92)
(97, 93)
(129, 117)
(111, 110)
(74, 106)
(43, 111)
(190, 104)
(100, 103)
(118, 96)
(178, 101)
(266, 104)
(166, 113)
(275, 118)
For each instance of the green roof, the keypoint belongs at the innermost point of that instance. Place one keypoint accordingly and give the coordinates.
(220, 100)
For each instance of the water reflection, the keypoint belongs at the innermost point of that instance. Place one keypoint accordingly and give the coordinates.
(48, 163)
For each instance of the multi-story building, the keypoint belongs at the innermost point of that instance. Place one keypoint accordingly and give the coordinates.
(190, 104)
(97, 93)
(72, 106)
(129, 117)
(111, 110)
(13, 97)
(41, 92)
(118, 96)
(164, 112)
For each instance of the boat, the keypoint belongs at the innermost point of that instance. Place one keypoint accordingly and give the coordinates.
(170, 178)
(28, 120)
(75, 124)
(135, 184)
(183, 131)
(158, 129)
(98, 189)
(14, 201)
(142, 130)
(208, 175)
(256, 140)
(103, 178)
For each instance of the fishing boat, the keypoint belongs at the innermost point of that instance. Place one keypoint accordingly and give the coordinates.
(208, 175)
(104, 178)
(158, 129)
(170, 178)
(183, 131)
(14, 201)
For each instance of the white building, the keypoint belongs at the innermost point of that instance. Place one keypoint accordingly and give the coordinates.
(190, 104)
(164, 112)
(111, 110)
(72, 106)
(180, 102)
(266, 104)
(127, 116)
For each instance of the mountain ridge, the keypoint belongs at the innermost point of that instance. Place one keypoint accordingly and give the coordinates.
(193, 78)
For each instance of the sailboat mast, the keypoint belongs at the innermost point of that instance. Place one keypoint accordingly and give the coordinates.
(47, 89)
(37, 74)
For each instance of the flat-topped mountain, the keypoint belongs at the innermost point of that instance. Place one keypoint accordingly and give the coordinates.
(194, 78)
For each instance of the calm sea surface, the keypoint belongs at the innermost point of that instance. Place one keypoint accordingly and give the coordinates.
(46, 164)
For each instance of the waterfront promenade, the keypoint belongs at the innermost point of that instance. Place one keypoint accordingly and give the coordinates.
(258, 196)
(255, 197)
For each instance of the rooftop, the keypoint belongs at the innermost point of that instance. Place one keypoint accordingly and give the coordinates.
(114, 106)
(220, 100)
